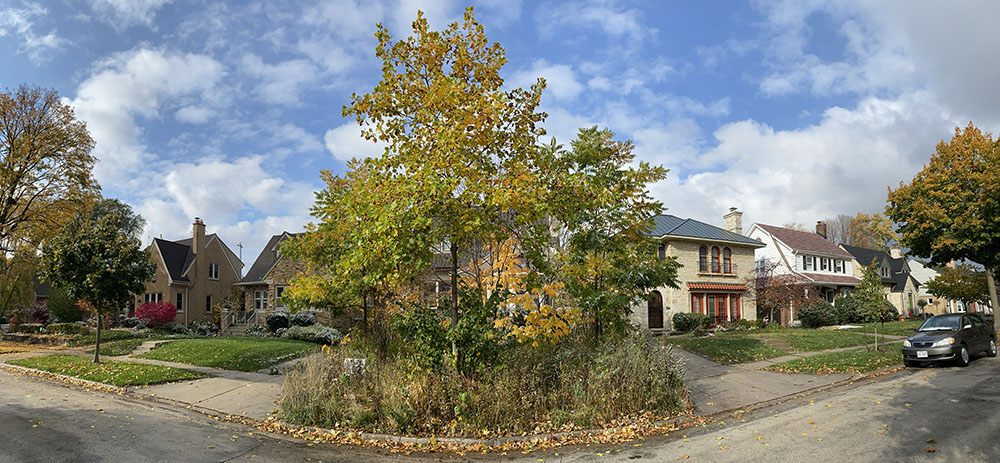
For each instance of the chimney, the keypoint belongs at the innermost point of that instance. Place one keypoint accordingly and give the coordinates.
(895, 252)
(198, 236)
(734, 221)
(821, 228)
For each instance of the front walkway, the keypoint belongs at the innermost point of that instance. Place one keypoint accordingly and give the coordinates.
(716, 387)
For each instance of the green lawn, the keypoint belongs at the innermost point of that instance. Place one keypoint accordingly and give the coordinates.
(848, 361)
(107, 335)
(893, 328)
(242, 354)
(808, 340)
(108, 372)
(120, 347)
(725, 349)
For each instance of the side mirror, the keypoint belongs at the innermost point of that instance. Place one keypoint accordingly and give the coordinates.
(967, 327)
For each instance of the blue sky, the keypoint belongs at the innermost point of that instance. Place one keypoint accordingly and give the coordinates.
(793, 111)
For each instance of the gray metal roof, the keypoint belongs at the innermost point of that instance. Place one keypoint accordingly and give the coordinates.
(672, 225)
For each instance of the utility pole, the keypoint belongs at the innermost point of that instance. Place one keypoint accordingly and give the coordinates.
(240, 245)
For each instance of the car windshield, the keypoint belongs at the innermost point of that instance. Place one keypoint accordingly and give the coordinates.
(947, 323)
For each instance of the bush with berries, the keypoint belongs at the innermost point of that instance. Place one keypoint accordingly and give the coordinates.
(154, 314)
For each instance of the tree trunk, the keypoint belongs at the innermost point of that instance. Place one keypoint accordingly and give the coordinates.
(364, 313)
(875, 342)
(97, 344)
(992, 285)
(454, 298)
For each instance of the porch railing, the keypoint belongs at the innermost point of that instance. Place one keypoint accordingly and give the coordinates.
(240, 317)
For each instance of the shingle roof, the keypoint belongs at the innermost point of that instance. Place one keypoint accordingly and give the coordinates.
(175, 256)
(675, 226)
(897, 277)
(804, 241)
(835, 279)
(267, 258)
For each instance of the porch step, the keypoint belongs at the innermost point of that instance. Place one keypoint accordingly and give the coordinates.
(146, 347)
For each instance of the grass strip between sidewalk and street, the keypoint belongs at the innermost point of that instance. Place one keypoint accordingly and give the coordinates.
(241, 354)
(848, 361)
(109, 371)
(726, 350)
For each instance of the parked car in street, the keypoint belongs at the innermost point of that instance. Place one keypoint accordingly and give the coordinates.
(957, 337)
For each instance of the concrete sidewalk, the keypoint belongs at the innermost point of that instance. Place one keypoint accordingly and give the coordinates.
(716, 387)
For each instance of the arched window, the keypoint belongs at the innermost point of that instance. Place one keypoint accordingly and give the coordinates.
(715, 259)
(703, 259)
(727, 260)
(655, 310)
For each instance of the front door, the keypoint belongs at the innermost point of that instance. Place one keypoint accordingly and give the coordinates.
(654, 308)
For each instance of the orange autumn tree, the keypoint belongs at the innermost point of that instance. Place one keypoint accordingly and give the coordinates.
(951, 208)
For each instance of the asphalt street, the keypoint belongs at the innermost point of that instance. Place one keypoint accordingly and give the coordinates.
(929, 414)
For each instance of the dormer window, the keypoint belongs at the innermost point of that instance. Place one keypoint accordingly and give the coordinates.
(213, 271)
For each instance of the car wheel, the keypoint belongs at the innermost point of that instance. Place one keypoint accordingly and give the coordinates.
(992, 350)
(910, 364)
(962, 359)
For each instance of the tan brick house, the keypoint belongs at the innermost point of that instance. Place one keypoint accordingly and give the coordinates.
(717, 263)
(193, 274)
(269, 275)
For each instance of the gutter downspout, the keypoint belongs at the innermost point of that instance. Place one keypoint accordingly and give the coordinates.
(187, 300)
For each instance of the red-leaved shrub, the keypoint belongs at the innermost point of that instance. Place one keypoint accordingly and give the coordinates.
(156, 313)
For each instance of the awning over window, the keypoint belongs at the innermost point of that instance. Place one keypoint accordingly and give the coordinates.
(717, 286)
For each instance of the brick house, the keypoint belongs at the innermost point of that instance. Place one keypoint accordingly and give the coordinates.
(193, 274)
(899, 286)
(269, 275)
(823, 268)
(716, 265)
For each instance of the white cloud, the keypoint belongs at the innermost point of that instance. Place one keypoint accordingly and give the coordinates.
(560, 79)
(194, 114)
(345, 142)
(280, 83)
(304, 141)
(20, 23)
(625, 23)
(439, 14)
(841, 165)
(132, 84)
(125, 13)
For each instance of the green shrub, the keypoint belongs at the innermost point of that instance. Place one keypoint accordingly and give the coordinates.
(173, 328)
(68, 328)
(847, 310)
(257, 330)
(276, 321)
(817, 314)
(26, 328)
(302, 319)
(689, 321)
(63, 307)
(316, 333)
(203, 328)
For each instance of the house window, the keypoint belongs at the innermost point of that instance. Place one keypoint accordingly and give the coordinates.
(727, 260)
(696, 300)
(807, 263)
(825, 264)
(278, 304)
(208, 303)
(260, 299)
(703, 259)
(213, 271)
(734, 307)
(839, 266)
(661, 252)
(153, 297)
(715, 260)
(180, 302)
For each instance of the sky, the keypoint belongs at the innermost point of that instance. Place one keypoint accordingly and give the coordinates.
(791, 111)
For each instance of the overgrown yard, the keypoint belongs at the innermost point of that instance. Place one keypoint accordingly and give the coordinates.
(848, 361)
(808, 340)
(108, 372)
(242, 354)
(726, 349)
(904, 328)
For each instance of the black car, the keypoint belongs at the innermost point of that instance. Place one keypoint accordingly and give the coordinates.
(956, 337)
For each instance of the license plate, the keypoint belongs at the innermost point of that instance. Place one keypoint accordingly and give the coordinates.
(921, 354)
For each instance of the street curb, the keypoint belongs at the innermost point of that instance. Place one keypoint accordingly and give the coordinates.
(678, 422)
